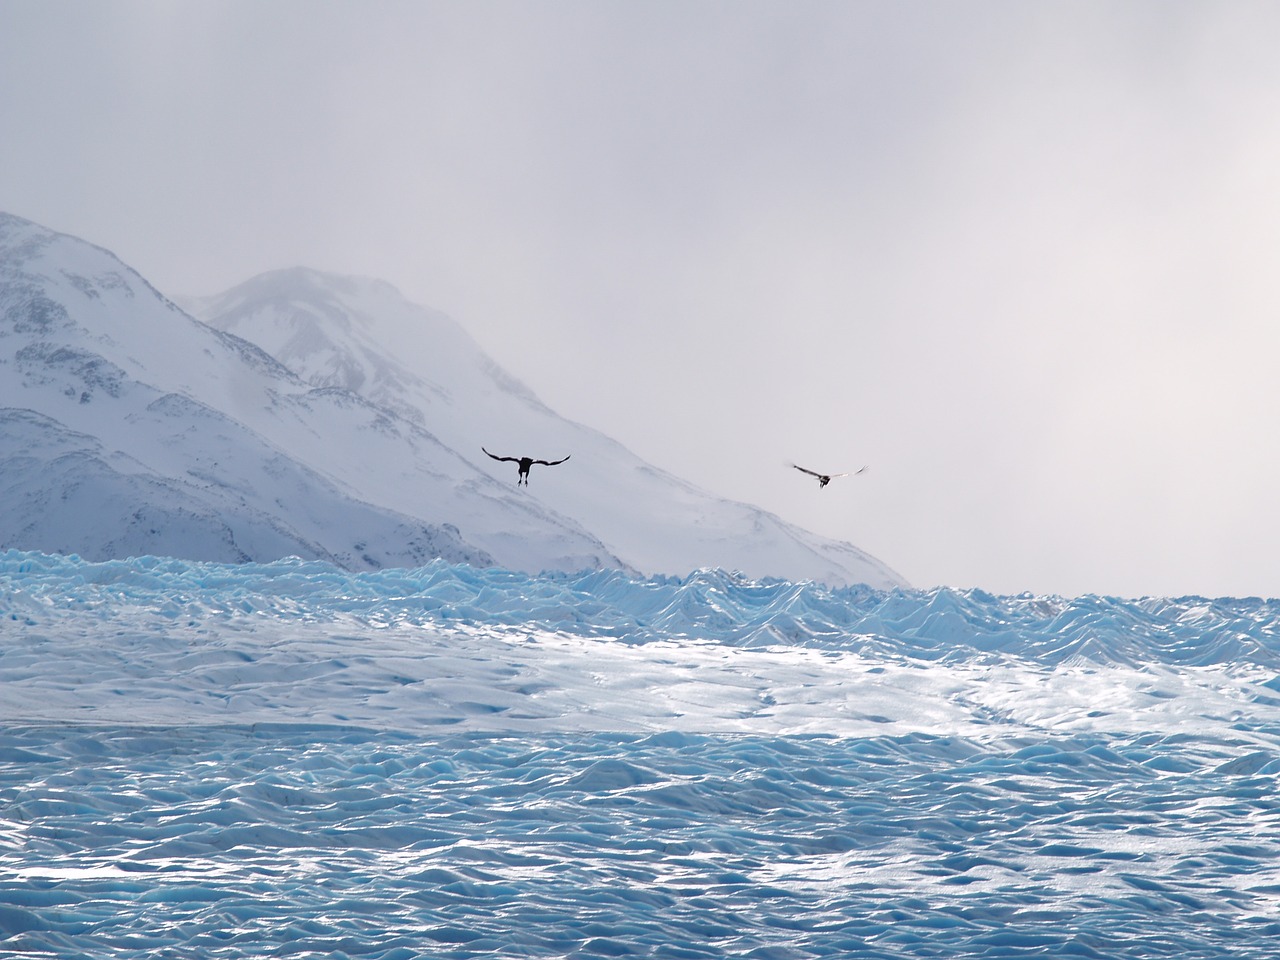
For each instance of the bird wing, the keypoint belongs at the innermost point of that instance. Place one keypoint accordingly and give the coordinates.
(505, 459)
(831, 476)
(551, 463)
(853, 474)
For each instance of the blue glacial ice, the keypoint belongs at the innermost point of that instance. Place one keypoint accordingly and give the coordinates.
(286, 759)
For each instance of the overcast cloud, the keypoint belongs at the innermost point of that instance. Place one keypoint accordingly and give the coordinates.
(1021, 258)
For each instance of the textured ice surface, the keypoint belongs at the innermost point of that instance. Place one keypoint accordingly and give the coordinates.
(200, 760)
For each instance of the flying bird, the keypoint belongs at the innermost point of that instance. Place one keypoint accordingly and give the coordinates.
(825, 478)
(524, 464)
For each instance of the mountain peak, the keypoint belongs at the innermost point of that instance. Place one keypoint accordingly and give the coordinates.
(328, 417)
(360, 334)
(304, 285)
(128, 426)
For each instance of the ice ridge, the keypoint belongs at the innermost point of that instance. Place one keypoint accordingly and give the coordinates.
(708, 606)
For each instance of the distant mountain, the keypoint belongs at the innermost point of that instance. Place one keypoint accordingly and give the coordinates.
(127, 426)
(288, 419)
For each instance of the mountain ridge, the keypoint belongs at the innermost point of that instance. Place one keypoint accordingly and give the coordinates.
(279, 411)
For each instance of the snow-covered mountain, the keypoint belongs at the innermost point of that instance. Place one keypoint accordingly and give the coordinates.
(287, 423)
(338, 332)
(128, 427)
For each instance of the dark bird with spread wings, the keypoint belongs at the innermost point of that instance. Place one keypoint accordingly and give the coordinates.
(524, 463)
(825, 478)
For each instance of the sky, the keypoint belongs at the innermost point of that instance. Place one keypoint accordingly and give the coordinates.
(1019, 259)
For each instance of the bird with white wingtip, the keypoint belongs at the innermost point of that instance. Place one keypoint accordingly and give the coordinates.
(825, 478)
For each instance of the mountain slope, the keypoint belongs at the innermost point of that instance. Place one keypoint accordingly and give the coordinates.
(341, 332)
(291, 423)
(128, 426)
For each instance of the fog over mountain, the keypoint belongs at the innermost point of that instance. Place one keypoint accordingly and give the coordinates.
(286, 420)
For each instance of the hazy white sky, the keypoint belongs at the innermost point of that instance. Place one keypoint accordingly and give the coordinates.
(1021, 258)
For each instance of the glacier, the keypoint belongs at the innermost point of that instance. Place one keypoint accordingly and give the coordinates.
(452, 761)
